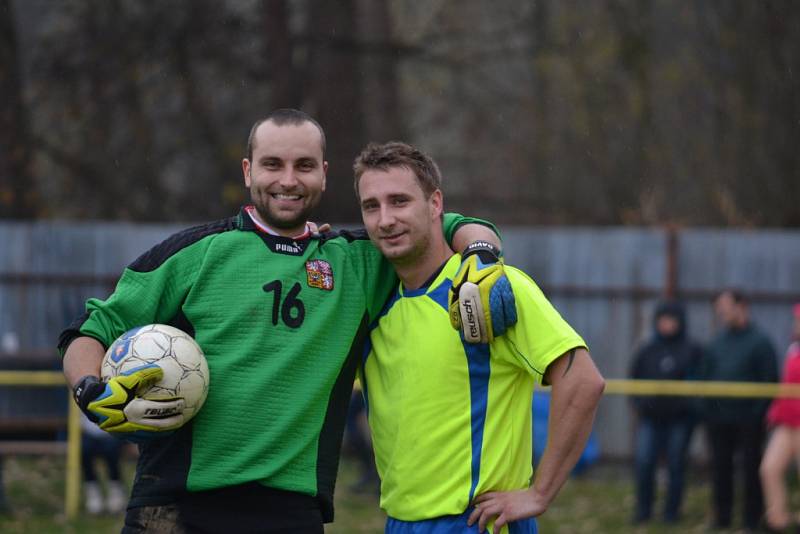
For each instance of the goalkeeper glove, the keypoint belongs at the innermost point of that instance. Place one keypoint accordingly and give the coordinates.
(481, 300)
(116, 407)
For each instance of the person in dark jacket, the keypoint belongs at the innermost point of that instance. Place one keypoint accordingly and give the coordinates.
(739, 353)
(665, 424)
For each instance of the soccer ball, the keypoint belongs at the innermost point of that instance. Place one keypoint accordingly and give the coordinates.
(174, 351)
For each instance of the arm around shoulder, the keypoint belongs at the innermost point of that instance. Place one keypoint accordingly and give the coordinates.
(470, 232)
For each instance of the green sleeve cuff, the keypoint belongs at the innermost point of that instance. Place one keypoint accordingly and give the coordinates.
(454, 221)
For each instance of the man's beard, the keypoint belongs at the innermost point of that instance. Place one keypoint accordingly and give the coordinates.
(282, 223)
(273, 218)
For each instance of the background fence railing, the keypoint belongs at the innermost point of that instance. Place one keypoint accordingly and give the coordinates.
(605, 281)
(71, 424)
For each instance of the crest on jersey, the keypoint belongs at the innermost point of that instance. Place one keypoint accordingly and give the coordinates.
(319, 274)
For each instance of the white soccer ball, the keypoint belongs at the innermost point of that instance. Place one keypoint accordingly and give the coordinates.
(174, 351)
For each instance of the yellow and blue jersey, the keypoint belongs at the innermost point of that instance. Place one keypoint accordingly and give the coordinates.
(451, 420)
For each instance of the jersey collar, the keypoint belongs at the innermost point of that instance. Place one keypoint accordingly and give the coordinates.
(445, 270)
(251, 212)
(290, 246)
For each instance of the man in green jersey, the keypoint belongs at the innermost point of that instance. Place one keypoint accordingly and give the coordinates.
(451, 421)
(281, 315)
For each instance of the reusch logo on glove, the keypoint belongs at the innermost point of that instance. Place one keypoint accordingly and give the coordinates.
(161, 412)
(472, 322)
(474, 327)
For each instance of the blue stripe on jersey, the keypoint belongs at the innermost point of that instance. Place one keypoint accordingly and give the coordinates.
(479, 372)
(386, 307)
(440, 294)
(415, 292)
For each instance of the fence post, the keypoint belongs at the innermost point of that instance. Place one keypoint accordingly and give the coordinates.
(73, 482)
(671, 283)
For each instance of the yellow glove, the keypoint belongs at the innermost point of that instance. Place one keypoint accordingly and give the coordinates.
(116, 405)
(481, 301)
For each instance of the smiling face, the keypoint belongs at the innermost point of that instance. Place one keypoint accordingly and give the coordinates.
(400, 219)
(286, 175)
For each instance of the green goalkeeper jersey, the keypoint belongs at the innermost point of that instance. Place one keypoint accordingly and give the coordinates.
(282, 323)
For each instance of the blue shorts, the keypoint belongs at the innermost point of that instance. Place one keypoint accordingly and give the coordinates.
(453, 524)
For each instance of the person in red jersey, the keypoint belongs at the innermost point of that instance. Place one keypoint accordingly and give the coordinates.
(784, 443)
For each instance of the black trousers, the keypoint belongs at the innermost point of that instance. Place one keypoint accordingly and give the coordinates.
(725, 440)
(245, 509)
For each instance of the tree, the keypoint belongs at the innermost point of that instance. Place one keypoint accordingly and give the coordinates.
(18, 194)
(613, 112)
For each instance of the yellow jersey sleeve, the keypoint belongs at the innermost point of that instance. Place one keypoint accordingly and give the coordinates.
(540, 336)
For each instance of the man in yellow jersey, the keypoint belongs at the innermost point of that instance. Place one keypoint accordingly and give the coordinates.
(450, 420)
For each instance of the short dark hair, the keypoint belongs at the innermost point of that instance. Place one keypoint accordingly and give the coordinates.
(282, 117)
(398, 154)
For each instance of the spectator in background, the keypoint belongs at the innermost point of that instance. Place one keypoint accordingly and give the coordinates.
(784, 443)
(98, 444)
(356, 435)
(739, 353)
(664, 424)
(9, 345)
(5, 508)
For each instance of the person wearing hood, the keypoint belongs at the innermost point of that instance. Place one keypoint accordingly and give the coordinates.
(664, 424)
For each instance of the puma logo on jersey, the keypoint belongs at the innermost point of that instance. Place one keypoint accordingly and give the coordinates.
(286, 248)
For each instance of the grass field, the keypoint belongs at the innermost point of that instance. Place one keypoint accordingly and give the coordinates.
(599, 502)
